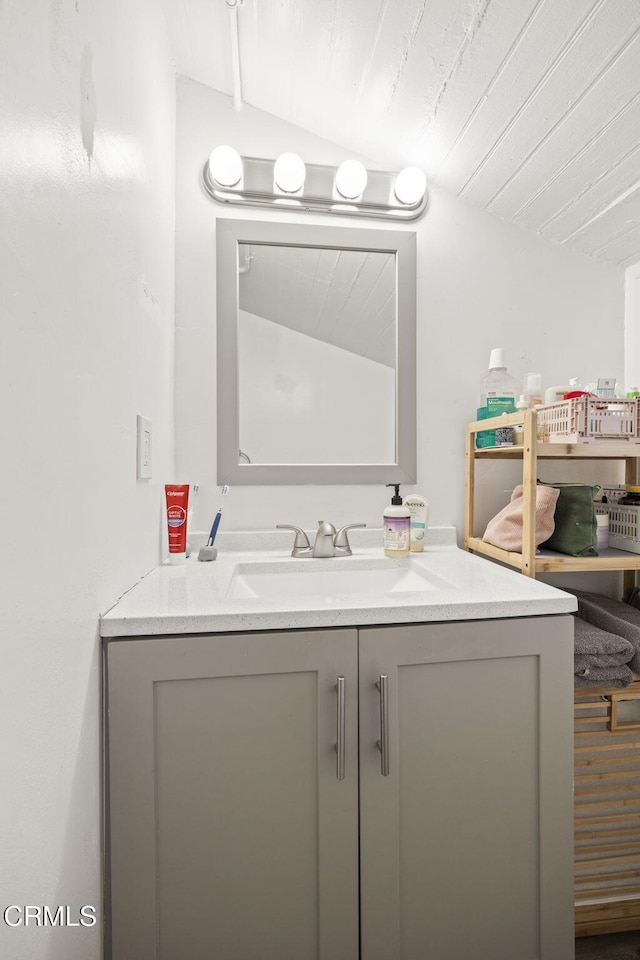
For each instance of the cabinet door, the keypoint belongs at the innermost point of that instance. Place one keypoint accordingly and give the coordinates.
(466, 844)
(230, 835)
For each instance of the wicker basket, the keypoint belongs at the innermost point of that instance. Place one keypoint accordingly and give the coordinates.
(588, 420)
(624, 527)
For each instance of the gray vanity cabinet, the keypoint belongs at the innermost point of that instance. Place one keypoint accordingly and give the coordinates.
(466, 843)
(230, 835)
(233, 838)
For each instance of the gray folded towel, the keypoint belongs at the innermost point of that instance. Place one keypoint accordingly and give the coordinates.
(612, 616)
(598, 646)
(597, 663)
(605, 677)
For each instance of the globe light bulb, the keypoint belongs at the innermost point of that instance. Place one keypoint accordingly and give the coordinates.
(410, 185)
(225, 166)
(351, 179)
(289, 172)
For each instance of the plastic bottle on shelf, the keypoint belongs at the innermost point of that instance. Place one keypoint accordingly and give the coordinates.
(498, 393)
(518, 431)
(575, 390)
(554, 394)
(602, 531)
(532, 389)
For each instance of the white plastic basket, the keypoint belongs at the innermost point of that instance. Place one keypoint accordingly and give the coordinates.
(588, 420)
(624, 527)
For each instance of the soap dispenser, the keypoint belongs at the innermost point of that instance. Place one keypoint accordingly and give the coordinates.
(397, 526)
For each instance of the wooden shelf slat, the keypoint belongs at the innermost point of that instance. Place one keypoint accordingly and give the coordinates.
(607, 861)
(601, 734)
(610, 450)
(613, 892)
(607, 924)
(605, 877)
(591, 705)
(598, 777)
(630, 907)
(549, 562)
(607, 834)
(612, 818)
(624, 846)
(605, 747)
(608, 804)
(623, 788)
(504, 556)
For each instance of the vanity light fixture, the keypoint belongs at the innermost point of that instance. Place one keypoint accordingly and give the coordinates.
(351, 179)
(410, 185)
(225, 166)
(289, 172)
(289, 184)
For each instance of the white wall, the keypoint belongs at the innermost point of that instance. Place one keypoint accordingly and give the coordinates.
(87, 290)
(302, 400)
(481, 283)
(632, 327)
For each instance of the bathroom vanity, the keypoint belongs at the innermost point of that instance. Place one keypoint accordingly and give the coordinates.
(339, 775)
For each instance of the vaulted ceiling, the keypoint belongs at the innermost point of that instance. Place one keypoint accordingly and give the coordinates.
(529, 109)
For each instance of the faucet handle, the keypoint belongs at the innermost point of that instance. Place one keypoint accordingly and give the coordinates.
(341, 541)
(301, 544)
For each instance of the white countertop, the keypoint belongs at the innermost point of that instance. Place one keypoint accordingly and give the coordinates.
(192, 598)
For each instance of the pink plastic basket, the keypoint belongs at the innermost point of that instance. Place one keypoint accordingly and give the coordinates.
(588, 420)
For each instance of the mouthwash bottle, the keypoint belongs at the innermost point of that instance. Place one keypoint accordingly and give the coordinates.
(498, 394)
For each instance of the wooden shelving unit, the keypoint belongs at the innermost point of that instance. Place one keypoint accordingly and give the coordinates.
(529, 562)
(607, 755)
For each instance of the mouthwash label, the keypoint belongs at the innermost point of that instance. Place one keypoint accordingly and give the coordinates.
(494, 407)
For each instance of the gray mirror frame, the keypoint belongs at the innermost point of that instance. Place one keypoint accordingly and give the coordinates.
(402, 243)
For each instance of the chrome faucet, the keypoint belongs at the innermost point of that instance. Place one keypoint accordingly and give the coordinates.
(324, 545)
(328, 543)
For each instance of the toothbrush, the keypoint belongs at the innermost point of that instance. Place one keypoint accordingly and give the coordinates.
(193, 493)
(216, 522)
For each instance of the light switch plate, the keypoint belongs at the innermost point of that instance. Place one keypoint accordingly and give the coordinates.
(143, 448)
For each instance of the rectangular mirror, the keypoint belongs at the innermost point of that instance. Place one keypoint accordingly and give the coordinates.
(316, 354)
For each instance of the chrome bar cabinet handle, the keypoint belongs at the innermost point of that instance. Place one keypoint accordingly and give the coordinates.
(340, 744)
(383, 742)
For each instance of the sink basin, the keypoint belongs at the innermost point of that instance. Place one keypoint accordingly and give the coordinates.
(327, 579)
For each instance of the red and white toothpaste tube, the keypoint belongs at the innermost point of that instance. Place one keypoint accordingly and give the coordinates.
(177, 498)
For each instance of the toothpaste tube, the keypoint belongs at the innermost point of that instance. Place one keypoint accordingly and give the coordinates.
(177, 499)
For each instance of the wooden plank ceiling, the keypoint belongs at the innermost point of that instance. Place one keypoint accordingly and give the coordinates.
(529, 109)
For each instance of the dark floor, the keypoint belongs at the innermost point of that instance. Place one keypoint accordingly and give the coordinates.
(615, 946)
